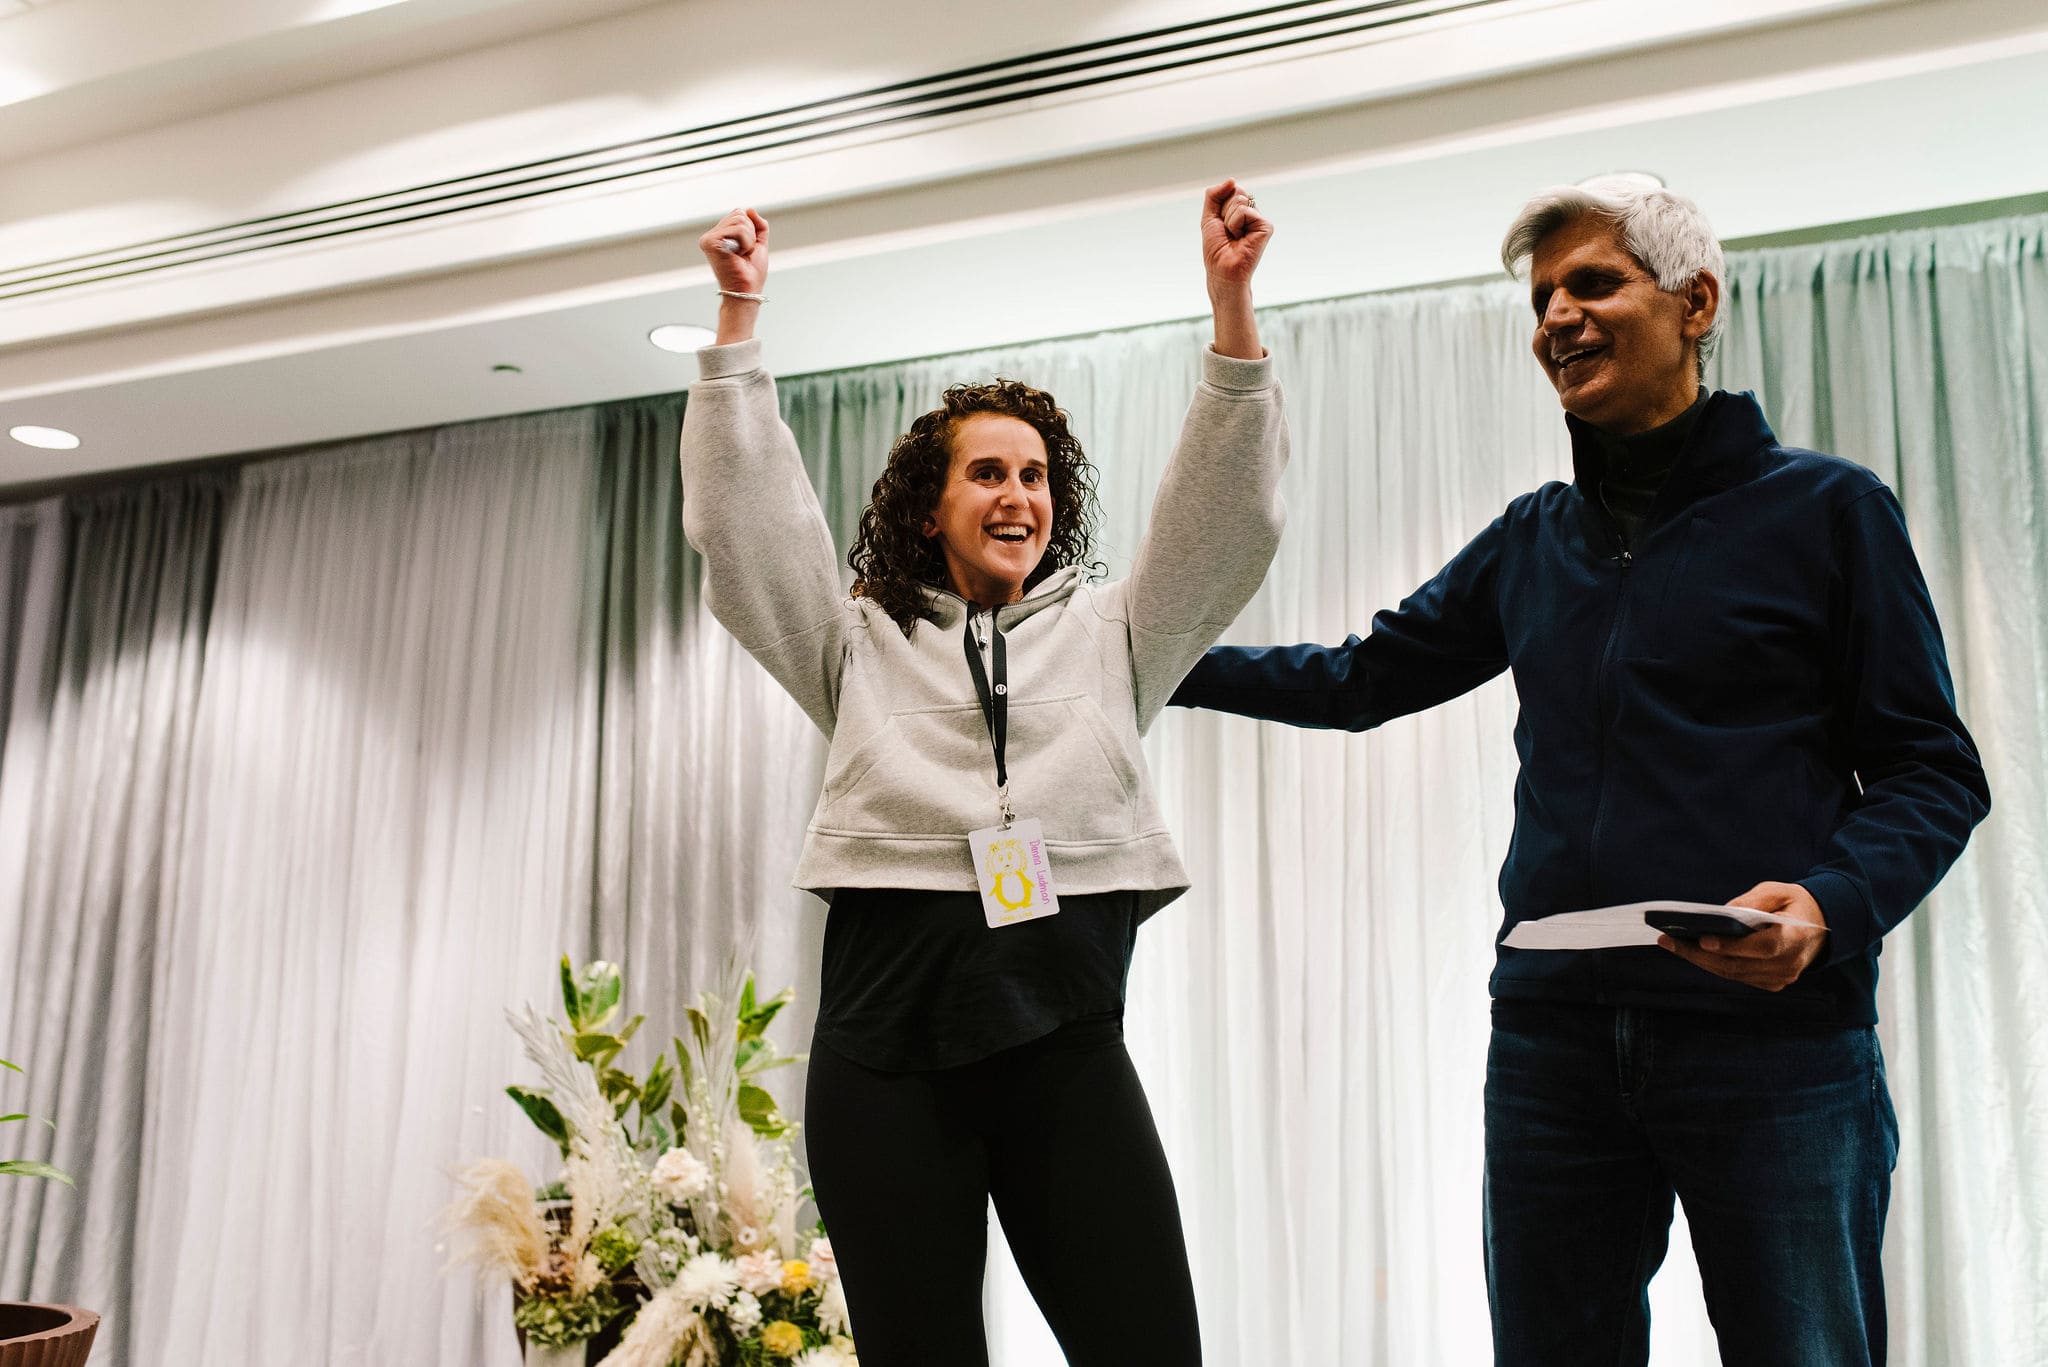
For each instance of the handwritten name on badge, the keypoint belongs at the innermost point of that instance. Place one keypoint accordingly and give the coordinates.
(1013, 873)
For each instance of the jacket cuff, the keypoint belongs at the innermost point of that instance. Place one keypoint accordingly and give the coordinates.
(1848, 918)
(724, 362)
(1234, 373)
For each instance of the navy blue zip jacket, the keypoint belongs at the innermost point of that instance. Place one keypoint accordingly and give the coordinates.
(1755, 691)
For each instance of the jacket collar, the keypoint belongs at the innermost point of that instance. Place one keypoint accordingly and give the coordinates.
(1721, 453)
(1725, 449)
(948, 610)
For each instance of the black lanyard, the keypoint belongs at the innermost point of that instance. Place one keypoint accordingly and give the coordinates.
(995, 702)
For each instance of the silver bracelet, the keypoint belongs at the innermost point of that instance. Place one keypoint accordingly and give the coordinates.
(742, 294)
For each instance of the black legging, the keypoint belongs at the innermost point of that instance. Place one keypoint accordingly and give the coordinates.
(1058, 1133)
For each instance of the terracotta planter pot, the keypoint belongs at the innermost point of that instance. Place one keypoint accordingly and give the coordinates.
(45, 1335)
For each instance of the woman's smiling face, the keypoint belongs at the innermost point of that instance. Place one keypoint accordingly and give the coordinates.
(994, 513)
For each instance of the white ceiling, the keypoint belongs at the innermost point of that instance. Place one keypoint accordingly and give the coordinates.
(72, 71)
(1387, 161)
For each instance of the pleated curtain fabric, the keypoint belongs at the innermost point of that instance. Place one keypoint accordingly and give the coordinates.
(1925, 356)
(311, 771)
(110, 612)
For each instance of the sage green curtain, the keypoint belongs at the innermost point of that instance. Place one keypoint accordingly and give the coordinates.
(1925, 356)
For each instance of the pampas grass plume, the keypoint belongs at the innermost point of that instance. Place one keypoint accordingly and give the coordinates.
(495, 1224)
(666, 1328)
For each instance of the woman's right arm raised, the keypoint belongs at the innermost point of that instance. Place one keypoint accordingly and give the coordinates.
(737, 248)
(771, 574)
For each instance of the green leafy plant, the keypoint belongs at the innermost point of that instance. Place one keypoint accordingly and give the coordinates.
(591, 1000)
(753, 1054)
(674, 1226)
(25, 1167)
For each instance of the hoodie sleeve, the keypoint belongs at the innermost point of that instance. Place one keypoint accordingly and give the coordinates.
(1215, 525)
(771, 575)
(1923, 784)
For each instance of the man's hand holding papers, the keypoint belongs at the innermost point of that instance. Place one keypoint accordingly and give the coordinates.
(1786, 933)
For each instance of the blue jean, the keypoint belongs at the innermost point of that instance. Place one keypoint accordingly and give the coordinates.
(1780, 1145)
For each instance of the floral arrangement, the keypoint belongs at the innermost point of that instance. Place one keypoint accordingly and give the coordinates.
(674, 1223)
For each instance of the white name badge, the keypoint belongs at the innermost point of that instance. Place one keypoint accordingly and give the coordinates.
(1013, 873)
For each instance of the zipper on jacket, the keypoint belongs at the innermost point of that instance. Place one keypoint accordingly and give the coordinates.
(1601, 693)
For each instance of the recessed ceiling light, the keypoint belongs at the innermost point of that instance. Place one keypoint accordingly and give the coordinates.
(681, 337)
(1635, 180)
(49, 438)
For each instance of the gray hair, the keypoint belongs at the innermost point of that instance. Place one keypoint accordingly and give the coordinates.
(1662, 229)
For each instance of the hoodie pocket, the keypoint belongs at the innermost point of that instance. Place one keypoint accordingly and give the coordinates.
(931, 772)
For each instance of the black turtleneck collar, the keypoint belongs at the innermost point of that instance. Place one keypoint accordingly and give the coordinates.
(1633, 469)
(1656, 449)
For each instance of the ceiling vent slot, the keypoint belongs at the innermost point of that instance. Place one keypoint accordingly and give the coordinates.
(884, 111)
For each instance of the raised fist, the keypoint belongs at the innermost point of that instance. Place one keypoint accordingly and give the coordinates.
(1234, 234)
(737, 248)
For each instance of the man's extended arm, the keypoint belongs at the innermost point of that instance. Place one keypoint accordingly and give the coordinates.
(1444, 640)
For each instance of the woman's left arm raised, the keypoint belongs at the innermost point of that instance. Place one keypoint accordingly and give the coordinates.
(1217, 517)
(1234, 237)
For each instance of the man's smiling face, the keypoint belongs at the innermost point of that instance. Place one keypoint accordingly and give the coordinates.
(1619, 350)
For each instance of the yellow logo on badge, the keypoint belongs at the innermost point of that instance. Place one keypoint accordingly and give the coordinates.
(1006, 869)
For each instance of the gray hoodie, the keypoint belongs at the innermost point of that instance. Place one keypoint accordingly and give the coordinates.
(910, 770)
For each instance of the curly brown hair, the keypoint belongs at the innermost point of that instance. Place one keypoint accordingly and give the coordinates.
(894, 561)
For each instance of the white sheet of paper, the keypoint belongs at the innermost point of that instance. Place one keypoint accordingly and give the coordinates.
(1616, 927)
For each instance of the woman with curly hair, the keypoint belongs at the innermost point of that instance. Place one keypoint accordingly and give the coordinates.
(987, 835)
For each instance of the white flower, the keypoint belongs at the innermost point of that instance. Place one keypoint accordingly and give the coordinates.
(681, 1176)
(670, 1248)
(744, 1314)
(832, 1309)
(822, 1261)
(760, 1272)
(827, 1355)
(706, 1282)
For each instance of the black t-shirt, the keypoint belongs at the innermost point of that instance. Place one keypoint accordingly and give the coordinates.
(917, 980)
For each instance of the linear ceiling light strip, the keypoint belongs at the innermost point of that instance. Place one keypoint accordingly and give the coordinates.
(896, 88)
(853, 106)
(87, 270)
(725, 145)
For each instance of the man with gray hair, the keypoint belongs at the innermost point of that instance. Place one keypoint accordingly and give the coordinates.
(1733, 691)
